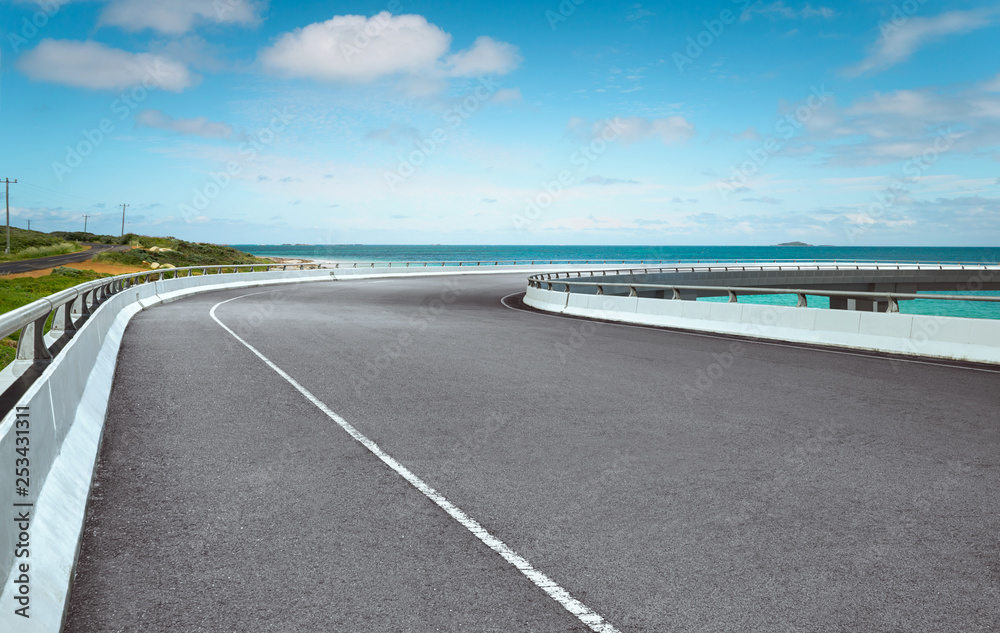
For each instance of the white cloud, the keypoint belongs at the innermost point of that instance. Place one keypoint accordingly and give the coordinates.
(358, 49)
(421, 87)
(763, 200)
(200, 126)
(906, 103)
(899, 41)
(486, 57)
(576, 124)
(992, 85)
(178, 16)
(780, 10)
(194, 52)
(903, 125)
(353, 48)
(394, 134)
(95, 66)
(672, 129)
(601, 180)
(506, 95)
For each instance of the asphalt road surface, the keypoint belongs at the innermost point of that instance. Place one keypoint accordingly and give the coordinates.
(667, 481)
(39, 263)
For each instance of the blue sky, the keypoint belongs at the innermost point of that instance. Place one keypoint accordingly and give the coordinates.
(548, 122)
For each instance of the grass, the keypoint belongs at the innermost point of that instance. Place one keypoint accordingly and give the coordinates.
(21, 291)
(15, 293)
(25, 244)
(181, 254)
(18, 292)
(128, 238)
(33, 252)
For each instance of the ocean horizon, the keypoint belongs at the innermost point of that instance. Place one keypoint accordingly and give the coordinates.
(494, 252)
(635, 254)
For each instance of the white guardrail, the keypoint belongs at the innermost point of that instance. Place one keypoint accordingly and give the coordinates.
(56, 426)
(602, 295)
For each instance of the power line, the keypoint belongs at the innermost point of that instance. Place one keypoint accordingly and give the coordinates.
(61, 193)
(7, 183)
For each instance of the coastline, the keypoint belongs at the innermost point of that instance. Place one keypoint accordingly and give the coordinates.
(295, 261)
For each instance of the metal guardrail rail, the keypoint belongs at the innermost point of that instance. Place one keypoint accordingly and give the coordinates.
(891, 299)
(71, 307)
(733, 265)
(762, 266)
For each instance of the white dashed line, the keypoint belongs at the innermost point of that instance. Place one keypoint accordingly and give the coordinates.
(584, 613)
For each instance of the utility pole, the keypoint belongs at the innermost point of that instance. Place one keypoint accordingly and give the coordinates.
(7, 182)
(85, 223)
(29, 225)
(123, 219)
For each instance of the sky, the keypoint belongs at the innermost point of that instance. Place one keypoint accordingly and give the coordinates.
(538, 122)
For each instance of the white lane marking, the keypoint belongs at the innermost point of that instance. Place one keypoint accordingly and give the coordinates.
(757, 341)
(584, 613)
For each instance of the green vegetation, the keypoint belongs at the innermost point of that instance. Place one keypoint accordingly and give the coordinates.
(34, 252)
(25, 244)
(128, 238)
(21, 291)
(181, 253)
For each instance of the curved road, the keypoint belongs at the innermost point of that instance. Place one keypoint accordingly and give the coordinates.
(667, 481)
(40, 263)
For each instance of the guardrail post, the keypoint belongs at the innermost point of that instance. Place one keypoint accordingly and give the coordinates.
(632, 292)
(600, 290)
(62, 321)
(732, 297)
(676, 293)
(893, 305)
(79, 307)
(802, 302)
(31, 345)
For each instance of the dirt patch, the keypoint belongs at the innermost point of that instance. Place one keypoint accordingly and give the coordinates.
(97, 267)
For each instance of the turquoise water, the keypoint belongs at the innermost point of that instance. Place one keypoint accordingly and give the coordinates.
(402, 253)
(399, 253)
(974, 309)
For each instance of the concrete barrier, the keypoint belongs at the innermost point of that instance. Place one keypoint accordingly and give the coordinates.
(953, 338)
(65, 410)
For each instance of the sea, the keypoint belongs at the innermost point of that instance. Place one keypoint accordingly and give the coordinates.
(668, 254)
